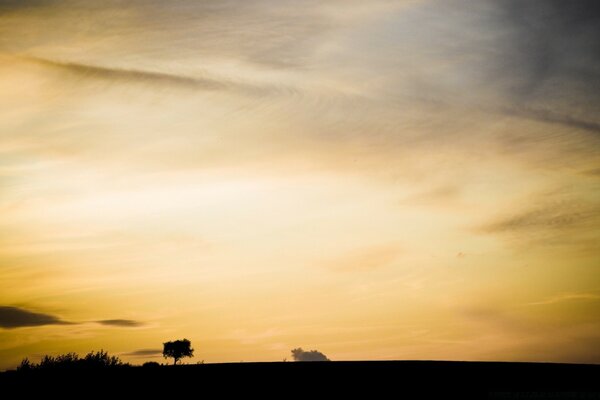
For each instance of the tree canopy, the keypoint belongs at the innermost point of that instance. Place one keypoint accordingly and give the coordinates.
(177, 350)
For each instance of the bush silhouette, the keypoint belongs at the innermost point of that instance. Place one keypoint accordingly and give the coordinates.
(25, 365)
(151, 364)
(93, 360)
(101, 359)
(177, 350)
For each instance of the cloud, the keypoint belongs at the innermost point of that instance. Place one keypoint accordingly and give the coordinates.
(552, 39)
(536, 219)
(160, 79)
(538, 59)
(125, 323)
(14, 317)
(566, 297)
(368, 259)
(14, 5)
(127, 75)
(440, 196)
(312, 355)
(144, 353)
(547, 216)
(553, 117)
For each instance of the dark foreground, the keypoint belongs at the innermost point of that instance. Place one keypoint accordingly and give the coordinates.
(374, 379)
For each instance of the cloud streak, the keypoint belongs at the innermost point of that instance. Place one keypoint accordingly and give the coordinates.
(552, 117)
(123, 323)
(127, 75)
(15, 317)
(368, 259)
(144, 353)
(536, 219)
(560, 298)
(563, 213)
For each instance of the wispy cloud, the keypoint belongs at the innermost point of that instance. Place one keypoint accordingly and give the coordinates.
(124, 323)
(557, 212)
(536, 219)
(560, 298)
(444, 196)
(368, 259)
(552, 40)
(553, 117)
(128, 75)
(14, 5)
(144, 353)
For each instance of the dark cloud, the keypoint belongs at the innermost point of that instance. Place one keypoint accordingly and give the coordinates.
(553, 38)
(125, 323)
(312, 355)
(553, 117)
(15, 5)
(14, 317)
(548, 61)
(144, 353)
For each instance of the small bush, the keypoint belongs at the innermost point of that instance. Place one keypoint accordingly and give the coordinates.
(151, 364)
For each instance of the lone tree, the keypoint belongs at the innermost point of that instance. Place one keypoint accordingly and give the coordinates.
(177, 350)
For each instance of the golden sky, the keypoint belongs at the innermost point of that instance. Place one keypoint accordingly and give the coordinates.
(376, 180)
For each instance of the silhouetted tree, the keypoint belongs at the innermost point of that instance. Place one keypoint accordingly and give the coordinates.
(177, 350)
(312, 355)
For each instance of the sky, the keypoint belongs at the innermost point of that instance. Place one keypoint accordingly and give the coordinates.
(379, 180)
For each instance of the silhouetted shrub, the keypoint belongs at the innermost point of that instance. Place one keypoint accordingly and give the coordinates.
(68, 360)
(92, 360)
(101, 359)
(151, 364)
(25, 365)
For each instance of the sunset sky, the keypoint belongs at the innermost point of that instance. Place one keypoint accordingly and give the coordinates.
(375, 179)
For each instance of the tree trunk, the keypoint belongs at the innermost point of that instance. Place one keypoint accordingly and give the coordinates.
(174, 361)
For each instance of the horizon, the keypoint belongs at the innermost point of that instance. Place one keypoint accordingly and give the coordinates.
(397, 180)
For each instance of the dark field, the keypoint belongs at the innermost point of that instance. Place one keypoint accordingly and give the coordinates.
(374, 379)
